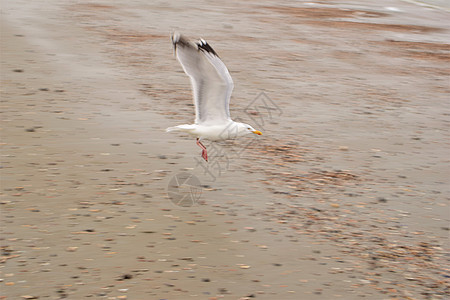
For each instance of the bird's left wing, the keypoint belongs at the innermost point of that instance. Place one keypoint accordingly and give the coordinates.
(211, 82)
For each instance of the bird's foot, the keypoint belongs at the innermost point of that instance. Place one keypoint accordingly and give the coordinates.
(205, 155)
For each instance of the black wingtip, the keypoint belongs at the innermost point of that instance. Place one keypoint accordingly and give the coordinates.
(204, 46)
(175, 36)
(178, 39)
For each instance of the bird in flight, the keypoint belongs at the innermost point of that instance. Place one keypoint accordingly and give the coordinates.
(212, 86)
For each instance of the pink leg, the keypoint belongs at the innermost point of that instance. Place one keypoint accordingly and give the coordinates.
(204, 153)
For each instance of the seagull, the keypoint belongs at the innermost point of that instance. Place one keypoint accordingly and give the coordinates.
(212, 86)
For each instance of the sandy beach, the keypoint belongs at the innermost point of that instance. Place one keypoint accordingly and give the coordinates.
(344, 196)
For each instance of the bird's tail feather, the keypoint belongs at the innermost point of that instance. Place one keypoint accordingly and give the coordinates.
(169, 129)
(175, 128)
(185, 127)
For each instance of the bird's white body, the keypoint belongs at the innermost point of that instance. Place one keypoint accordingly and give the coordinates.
(226, 131)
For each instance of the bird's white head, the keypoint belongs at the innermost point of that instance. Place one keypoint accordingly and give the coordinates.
(237, 129)
(244, 129)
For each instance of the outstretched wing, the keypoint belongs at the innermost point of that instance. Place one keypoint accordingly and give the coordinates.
(211, 82)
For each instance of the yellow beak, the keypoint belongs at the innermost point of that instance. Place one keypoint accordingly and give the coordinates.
(257, 132)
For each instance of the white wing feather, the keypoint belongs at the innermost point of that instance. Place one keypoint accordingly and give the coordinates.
(211, 82)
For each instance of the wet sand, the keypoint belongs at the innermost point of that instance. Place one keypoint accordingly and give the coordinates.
(344, 196)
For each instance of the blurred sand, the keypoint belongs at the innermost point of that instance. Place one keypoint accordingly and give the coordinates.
(344, 196)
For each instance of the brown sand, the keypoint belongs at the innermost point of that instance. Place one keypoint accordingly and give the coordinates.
(344, 196)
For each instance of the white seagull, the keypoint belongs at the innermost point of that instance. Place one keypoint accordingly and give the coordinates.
(212, 86)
